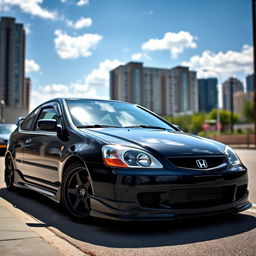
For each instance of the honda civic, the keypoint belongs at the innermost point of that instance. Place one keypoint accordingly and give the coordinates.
(120, 161)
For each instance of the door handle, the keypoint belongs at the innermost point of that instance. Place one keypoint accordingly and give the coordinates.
(28, 141)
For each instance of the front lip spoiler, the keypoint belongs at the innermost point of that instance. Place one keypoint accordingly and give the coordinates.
(165, 217)
(169, 216)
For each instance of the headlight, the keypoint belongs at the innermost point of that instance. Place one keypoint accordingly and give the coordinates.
(119, 156)
(232, 156)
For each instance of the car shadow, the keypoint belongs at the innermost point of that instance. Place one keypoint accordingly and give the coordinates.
(131, 234)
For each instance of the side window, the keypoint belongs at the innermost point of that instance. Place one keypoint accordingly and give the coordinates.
(48, 113)
(27, 123)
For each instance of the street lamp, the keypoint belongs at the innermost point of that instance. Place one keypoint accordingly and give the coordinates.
(218, 106)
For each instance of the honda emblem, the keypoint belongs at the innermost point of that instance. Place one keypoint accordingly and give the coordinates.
(201, 163)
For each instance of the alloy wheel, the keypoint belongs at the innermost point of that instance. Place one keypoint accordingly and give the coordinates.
(9, 173)
(77, 191)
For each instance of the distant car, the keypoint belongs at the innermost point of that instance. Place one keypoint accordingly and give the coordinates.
(120, 161)
(5, 131)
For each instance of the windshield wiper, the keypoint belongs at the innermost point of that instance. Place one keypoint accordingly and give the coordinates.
(147, 127)
(97, 126)
(112, 126)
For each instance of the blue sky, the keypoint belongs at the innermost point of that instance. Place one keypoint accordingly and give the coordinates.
(71, 45)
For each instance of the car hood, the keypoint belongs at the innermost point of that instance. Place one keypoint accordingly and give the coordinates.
(164, 142)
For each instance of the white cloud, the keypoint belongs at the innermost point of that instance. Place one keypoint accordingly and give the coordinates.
(82, 2)
(32, 7)
(69, 47)
(94, 85)
(225, 63)
(45, 93)
(31, 66)
(176, 43)
(139, 56)
(27, 27)
(81, 23)
(100, 77)
(136, 56)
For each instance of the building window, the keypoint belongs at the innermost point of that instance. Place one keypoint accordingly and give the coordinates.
(137, 84)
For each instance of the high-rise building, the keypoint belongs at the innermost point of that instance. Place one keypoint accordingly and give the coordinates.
(232, 84)
(26, 93)
(164, 91)
(184, 90)
(207, 94)
(249, 83)
(12, 68)
(240, 98)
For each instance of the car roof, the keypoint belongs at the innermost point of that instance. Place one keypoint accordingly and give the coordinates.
(86, 99)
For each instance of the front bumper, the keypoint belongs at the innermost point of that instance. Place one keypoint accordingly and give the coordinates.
(141, 195)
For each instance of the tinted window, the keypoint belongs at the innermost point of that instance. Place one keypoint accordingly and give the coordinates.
(118, 114)
(27, 123)
(48, 113)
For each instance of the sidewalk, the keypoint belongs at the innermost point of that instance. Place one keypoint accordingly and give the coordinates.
(17, 238)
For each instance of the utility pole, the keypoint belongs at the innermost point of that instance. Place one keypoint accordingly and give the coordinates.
(254, 58)
(231, 105)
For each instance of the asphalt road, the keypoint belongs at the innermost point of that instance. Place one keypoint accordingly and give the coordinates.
(226, 235)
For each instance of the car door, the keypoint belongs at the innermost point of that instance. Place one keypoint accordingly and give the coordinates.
(42, 150)
(19, 139)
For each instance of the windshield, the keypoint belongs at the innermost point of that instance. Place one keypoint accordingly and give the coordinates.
(7, 129)
(90, 113)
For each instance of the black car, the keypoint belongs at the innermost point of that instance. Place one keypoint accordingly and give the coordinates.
(5, 131)
(117, 160)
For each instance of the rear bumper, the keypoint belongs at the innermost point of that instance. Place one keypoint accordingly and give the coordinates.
(169, 197)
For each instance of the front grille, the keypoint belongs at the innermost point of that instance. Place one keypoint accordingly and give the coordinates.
(201, 197)
(149, 200)
(190, 162)
(192, 197)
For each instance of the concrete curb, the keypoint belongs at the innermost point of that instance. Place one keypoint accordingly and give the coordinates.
(37, 226)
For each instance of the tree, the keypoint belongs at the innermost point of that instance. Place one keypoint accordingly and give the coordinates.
(188, 123)
(225, 117)
(248, 111)
(197, 121)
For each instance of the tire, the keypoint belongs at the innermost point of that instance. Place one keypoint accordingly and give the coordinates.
(76, 191)
(9, 173)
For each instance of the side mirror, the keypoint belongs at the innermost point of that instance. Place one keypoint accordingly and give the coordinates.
(19, 120)
(48, 125)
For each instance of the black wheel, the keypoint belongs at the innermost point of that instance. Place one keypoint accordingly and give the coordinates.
(76, 191)
(9, 173)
